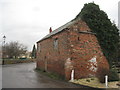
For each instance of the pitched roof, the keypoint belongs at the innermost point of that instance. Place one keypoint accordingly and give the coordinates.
(62, 28)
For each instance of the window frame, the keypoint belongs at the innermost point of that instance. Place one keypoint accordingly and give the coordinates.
(55, 43)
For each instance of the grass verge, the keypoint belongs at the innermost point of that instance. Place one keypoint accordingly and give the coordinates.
(49, 74)
(16, 61)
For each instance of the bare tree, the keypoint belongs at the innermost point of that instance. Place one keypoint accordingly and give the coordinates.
(14, 49)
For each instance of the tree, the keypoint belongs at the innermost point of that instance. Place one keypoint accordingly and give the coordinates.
(14, 49)
(106, 32)
(33, 54)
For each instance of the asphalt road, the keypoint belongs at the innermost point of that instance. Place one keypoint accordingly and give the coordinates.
(24, 76)
(0, 76)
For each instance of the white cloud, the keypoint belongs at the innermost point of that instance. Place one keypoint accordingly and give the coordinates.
(28, 21)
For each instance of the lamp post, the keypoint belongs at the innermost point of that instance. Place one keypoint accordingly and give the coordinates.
(3, 49)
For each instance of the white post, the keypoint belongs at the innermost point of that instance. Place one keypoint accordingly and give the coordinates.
(106, 81)
(72, 75)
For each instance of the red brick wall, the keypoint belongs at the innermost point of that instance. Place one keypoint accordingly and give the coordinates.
(75, 51)
(84, 47)
(55, 57)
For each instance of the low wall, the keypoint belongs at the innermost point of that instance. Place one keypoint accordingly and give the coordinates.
(15, 61)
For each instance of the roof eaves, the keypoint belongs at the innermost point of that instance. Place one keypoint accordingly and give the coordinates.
(62, 28)
(50, 35)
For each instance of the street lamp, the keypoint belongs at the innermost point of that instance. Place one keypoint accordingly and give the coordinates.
(4, 37)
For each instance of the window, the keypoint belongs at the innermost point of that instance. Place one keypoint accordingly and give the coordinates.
(39, 48)
(55, 43)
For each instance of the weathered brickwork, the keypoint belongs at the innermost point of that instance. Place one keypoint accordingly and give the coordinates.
(86, 54)
(76, 49)
(53, 59)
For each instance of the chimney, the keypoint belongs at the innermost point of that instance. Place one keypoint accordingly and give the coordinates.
(50, 30)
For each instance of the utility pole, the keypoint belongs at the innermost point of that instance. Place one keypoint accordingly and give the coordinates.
(3, 50)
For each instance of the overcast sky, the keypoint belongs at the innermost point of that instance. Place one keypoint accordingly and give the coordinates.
(27, 21)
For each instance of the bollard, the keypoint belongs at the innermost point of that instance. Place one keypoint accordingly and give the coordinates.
(72, 75)
(106, 81)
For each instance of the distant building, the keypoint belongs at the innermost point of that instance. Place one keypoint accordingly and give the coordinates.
(73, 46)
(26, 55)
(119, 15)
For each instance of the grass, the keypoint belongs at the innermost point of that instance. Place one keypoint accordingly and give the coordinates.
(94, 82)
(49, 74)
(16, 61)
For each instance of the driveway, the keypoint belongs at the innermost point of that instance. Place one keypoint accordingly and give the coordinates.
(24, 76)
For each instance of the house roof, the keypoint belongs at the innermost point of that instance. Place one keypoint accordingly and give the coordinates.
(62, 28)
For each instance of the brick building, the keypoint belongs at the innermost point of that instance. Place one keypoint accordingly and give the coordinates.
(72, 46)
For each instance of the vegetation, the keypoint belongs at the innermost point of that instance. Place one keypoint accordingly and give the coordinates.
(106, 31)
(113, 76)
(49, 74)
(16, 61)
(33, 54)
(14, 49)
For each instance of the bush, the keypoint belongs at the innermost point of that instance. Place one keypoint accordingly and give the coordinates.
(113, 75)
(15, 61)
